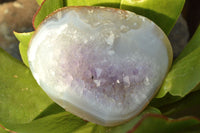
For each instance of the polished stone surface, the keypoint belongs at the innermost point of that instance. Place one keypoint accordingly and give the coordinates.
(103, 63)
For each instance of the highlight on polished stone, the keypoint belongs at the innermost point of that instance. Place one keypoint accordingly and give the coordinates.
(101, 64)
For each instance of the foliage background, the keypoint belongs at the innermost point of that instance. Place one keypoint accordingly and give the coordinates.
(25, 108)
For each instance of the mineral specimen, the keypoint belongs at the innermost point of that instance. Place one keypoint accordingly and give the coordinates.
(102, 64)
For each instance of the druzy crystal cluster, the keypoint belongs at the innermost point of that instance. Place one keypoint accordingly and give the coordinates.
(102, 64)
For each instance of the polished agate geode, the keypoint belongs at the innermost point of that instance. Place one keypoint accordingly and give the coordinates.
(101, 64)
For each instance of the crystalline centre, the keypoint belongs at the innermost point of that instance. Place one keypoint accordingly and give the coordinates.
(98, 63)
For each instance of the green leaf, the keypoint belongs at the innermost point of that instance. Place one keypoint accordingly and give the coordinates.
(51, 109)
(47, 7)
(106, 3)
(167, 99)
(5, 130)
(153, 123)
(129, 125)
(191, 46)
(68, 123)
(184, 75)
(39, 2)
(59, 123)
(188, 106)
(21, 99)
(24, 39)
(163, 12)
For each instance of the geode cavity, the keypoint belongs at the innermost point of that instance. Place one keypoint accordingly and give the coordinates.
(102, 64)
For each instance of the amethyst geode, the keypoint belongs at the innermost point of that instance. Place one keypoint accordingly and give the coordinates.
(102, 64)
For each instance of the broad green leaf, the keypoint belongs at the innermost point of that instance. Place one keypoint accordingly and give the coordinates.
(5, 130)
(24, 39)
(68, 123)
(39, 2)
(184, 75)
(47, 7)
(51, 109)
(191, 46)
(160, 124)
(163, 12)
(188, 106)
(127, 126)
(21, 99)
(167, 99)
(107, 3)
(59, 123)
(196, 88)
